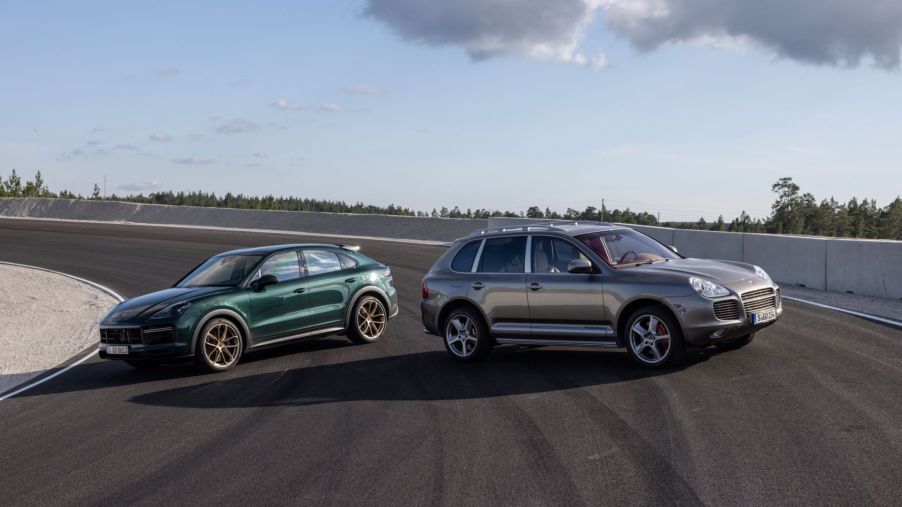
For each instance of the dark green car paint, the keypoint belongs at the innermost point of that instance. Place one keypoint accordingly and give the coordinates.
(307, 306)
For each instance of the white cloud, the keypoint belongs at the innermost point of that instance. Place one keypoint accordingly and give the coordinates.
(140, 186)
(127, 147)
(237, 126)
(260, 154)
(286, 105)
(160, 137)
(168, 72)
(192, 161)
(332, 108)
(363, 90)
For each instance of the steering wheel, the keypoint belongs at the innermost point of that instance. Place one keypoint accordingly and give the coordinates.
(623, 257)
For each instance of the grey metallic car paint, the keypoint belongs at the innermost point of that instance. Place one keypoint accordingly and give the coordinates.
(587, 309)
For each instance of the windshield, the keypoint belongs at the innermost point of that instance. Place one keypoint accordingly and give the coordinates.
(621, 247)
(222, 271)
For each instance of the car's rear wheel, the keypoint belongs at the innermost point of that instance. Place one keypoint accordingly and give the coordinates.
(219, 346)
(737, 343)
(369, 321)
(654, 338)
(466, 335)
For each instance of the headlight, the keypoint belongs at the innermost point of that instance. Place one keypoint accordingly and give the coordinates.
(763, 274)
(708, 289)
(172, 311)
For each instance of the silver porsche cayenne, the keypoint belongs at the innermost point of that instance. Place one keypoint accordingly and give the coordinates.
(591, 285)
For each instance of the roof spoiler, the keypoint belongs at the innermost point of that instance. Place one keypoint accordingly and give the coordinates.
(352, 248)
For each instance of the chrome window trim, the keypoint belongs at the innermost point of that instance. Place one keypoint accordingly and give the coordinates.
(528, 267)
(478, 256)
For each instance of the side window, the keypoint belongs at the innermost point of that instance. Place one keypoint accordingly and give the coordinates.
(347, 262)
(321, 261)
(463, 261)
(503, 255)
(553, 255)
(284, 266)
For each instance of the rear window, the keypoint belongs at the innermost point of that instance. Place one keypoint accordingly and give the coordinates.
(464, 259)
(503, 255)
(347, 262)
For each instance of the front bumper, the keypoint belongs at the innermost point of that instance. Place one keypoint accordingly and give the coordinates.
(702, 328)
(160, 340)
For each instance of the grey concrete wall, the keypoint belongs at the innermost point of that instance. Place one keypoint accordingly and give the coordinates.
(789, 259)
(865, 267)
(388, 226)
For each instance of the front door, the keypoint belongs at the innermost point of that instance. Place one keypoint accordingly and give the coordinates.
(499, 286)
(278, 310)
(563, 305)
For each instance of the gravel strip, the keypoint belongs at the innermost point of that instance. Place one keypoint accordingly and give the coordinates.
(881, 307)
(45, 319)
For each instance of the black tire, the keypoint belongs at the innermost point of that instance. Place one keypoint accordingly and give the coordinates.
(369, 320)
(142, 365)
(647, 348)
(211, 358)
(466, 336)
(737, 343)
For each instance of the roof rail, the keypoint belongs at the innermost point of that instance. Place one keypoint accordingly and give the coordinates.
(536, 227)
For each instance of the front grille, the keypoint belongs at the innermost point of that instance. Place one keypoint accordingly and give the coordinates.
(158, 335)
(123, 336)
(727, 310)
(779, 299)
(761, 299)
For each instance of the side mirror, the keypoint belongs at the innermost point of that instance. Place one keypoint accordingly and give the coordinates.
(579, 266)
(261, 283)
(674, 249)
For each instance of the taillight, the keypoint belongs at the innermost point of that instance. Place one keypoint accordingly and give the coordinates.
(425, 290)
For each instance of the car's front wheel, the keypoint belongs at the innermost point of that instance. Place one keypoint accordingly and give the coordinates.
(654, 338)
(369, 321)
(466, 335)
(219, 346)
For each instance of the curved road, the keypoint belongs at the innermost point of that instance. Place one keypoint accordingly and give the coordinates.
(809, 413)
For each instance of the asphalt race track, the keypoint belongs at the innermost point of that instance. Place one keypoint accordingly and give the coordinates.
(810, 413)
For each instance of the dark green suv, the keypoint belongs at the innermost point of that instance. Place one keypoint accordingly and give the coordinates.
(250, 298)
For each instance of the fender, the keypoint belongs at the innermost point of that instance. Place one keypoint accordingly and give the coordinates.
(460, 299)
(245, 331)
(369, 289)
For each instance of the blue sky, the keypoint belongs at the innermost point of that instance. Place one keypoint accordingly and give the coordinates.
(369, 101)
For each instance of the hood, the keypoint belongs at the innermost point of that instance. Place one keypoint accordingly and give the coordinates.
(148, 304)
(717, 271)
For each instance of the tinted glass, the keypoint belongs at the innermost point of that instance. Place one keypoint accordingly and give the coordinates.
(284, 266)
(225, 270)
(626, 246)
(346, 262)
(503, 255)
(553, 255)
(321, 261)
(463, 261)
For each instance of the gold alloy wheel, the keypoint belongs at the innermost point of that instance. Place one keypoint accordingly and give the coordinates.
(222, 344)
(371, 319)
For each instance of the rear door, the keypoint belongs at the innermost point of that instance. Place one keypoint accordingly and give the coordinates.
(563, 305)
(329, 287)
(280, 309)
(499, 286)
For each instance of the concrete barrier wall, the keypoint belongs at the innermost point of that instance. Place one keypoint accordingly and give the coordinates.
(387, 226)
(866, 267)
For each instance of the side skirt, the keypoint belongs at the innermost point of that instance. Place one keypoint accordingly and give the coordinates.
(328, 330)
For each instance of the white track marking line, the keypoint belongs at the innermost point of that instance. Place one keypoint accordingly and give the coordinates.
(239, 229)
(87, 356)
(875, 318)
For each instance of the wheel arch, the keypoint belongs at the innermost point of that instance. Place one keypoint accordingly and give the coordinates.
(454, 305)
(366, 291)
(629, 308)
(225, 313)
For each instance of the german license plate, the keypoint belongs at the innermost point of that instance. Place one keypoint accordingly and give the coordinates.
(763, 316)
(119, 350)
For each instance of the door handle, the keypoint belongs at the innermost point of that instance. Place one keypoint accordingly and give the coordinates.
(300, 290)
(350, 280)
(478, 286)
(535, 286)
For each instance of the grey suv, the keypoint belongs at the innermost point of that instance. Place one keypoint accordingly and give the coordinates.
(592, 285)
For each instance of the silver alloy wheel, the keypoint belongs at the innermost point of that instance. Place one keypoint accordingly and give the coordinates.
(461, 335)
(371, 319)
(222, 344)
(650, 339)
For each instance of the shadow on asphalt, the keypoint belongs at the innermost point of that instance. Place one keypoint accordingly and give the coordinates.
(424, 376)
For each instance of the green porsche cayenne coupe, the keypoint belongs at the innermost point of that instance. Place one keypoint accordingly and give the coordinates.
(251, 298)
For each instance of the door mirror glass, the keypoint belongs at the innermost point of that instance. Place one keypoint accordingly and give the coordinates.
(579, 266)
(261, 283)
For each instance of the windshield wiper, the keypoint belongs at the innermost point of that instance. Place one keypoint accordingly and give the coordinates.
(636, 263)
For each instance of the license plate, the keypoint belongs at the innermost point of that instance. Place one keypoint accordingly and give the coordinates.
(763, 316)
(119, 350)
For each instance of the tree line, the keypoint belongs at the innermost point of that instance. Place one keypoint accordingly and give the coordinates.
(791, 213)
